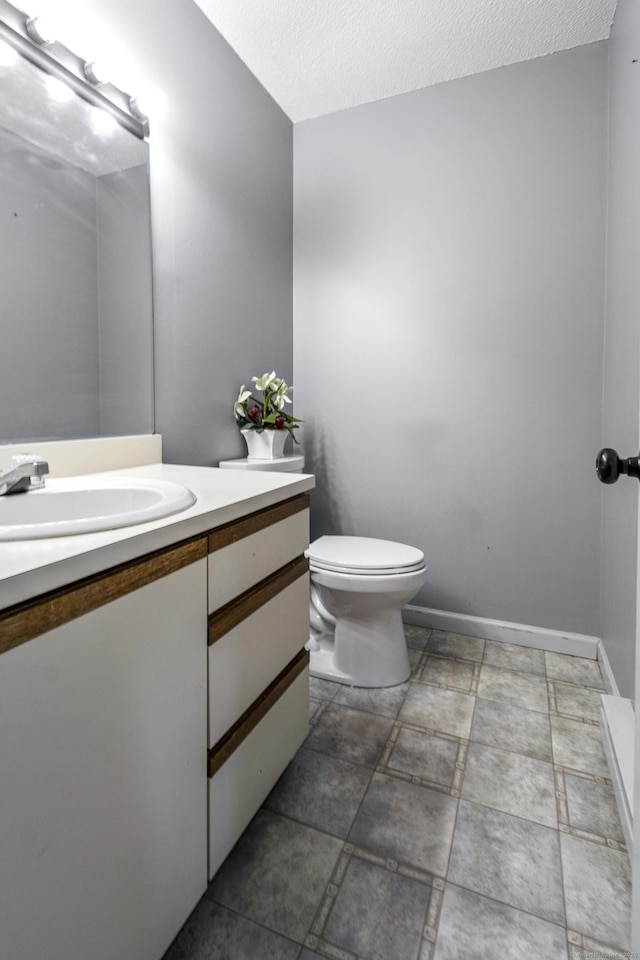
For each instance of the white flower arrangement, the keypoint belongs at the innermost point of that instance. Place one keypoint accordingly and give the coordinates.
(267, 413)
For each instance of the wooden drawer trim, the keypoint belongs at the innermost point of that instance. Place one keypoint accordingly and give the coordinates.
(254, 714)
(234, 612)
(239, 529)
(28, 620)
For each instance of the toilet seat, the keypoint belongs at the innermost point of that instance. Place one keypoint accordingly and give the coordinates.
(363, 556)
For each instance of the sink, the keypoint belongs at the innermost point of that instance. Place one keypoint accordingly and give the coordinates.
(85, 505)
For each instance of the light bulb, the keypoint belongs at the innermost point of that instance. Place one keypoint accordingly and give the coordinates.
(58, 90)
(8, 55)
(102, 122)
(149, 103)
(139, 107)
(41, 29)
(95, 72)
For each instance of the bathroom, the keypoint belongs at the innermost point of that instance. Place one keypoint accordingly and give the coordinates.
(448, 278)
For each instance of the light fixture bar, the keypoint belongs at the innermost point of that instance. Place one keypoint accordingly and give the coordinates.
(42, 58)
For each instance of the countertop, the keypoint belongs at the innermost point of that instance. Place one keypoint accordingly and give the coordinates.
(29, 568)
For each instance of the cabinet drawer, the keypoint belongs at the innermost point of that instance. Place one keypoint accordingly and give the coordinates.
(241, 784)
(246, 659)
(254, 554)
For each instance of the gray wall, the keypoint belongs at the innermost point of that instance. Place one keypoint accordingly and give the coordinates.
(448, 316)
(620, 502)
(221, 168)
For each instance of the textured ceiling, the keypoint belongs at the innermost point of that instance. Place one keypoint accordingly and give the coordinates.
(319, 56)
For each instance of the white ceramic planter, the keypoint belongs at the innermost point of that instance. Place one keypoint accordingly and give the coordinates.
(267, 445)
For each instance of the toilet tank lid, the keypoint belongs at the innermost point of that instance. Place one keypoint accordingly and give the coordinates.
(364, 553)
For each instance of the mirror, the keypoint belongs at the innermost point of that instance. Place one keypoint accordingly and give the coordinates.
(76, 355)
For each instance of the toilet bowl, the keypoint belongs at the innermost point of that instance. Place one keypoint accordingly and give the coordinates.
(358, 588)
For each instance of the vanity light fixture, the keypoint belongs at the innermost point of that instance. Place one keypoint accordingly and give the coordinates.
(32, 37)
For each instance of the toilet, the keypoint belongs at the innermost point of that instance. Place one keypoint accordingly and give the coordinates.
(359, 586)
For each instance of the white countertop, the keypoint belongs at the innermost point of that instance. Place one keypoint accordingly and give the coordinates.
(29, 568)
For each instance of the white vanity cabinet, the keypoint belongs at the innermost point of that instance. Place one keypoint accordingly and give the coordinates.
(258, 667)
(103, 796)
(145, 713)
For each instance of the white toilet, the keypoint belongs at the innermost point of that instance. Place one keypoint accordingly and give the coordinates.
(358, 588)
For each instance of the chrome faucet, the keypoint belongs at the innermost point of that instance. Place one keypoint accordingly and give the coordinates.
(26, 474)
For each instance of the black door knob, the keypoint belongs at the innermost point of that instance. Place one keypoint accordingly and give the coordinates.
(609, 466)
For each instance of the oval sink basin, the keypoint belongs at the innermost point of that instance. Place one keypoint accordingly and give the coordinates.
(67, 507)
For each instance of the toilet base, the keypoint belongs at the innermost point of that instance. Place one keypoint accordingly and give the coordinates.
(321, 647)
(321, 663)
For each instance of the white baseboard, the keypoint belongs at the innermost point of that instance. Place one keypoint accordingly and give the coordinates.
(607, 673)
(617, 720)
(574, 644)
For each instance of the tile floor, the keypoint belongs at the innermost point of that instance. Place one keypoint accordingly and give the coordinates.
(465, 815)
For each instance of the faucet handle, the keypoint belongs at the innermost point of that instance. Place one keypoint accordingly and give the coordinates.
(39, 465)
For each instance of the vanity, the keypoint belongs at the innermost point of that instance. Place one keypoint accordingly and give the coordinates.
(153, 687)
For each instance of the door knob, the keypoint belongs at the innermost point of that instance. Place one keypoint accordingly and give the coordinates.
(609, 466)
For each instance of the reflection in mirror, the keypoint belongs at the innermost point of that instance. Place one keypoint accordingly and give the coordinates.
(76, 358)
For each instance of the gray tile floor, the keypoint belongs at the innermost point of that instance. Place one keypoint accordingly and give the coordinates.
(465, 815)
